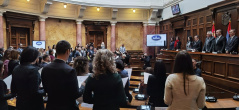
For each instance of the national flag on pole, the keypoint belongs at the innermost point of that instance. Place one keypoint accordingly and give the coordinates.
(213, 30)
(228, 29)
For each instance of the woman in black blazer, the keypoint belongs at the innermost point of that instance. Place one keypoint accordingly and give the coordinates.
(105, 84)
(26, 80)
(156, 85)
(3, 91)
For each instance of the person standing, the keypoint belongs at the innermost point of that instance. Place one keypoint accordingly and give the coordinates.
(60, 81)
(197, 45)
(102, 45)
(156, 85)
(6, 59)
(208, 42)
(219, 43)
(4, 96)
(14, 61)
(183, 89)
(189, 44)
(122, 49)
(177, 43)
(112, 97)
(171, 46)
(232, 43)
(26, 81)
(20, 48)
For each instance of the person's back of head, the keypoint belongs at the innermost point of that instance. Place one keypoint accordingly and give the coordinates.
(183, 64)
(160, 69)
(6, 55)
(14, 54)
(63, 49)
(103, 63)
(119, 64)
(149, 70)
(81, 65)
(29, 55)
(46, 58)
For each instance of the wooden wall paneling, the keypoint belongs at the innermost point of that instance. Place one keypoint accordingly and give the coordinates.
(233, 72)
(219, 69)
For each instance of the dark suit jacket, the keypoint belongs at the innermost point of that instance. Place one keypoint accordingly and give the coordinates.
(11, 65)
(219, 46)
(171, 46)
(179, 45)
(60, 82)
(233, 45)
(108, 92)
(197, 45)
(208, 45)
(25, 84)
(155, 89)
(4, 96)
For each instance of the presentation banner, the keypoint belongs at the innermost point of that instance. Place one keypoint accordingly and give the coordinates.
(39, 44)
(157, 40)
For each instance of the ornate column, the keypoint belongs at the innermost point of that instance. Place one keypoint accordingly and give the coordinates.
(1, 30)
(42, 31)
(78, 32)
(113, 36)
(145, 38)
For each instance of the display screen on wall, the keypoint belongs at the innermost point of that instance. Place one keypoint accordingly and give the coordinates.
(157, 40)
(175, 9)
(39, 44)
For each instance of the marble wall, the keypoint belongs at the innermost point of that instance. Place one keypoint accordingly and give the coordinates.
(108, 37)
(57, 30)
(129, 34)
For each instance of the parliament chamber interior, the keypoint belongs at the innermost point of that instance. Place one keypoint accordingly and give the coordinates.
(119, 54)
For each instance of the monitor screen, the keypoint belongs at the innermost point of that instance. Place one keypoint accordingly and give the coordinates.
(157, 40)
(175, 9)
(39, 44)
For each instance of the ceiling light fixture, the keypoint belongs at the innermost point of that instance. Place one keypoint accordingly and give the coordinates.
(98, 8)
(134, 11)
(28, 0)
(65, 5)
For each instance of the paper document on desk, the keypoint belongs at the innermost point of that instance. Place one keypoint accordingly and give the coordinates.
(129, 72)
(87, 105)
(8, 81)
(146, 77)
(124, 80)
(81, 79)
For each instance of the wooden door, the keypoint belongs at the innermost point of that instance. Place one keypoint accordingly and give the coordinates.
(19, 35)
(97, 37)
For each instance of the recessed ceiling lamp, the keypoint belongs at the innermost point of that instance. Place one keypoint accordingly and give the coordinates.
(28, 0)
(65, 5)
(134, 11)
(98, 8)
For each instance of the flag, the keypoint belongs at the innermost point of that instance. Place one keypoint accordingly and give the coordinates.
(228, 29)
(213, 30)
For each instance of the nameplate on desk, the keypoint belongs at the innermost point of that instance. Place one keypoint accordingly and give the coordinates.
(214, 52)
(203, 51)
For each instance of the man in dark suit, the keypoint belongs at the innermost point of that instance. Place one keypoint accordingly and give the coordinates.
(197, 45)
(208, 42)
(232, 43)
(219, 43)
(60, 81)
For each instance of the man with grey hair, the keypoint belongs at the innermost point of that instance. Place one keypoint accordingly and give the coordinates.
(208, 42)
(219, 43)
(232, 43)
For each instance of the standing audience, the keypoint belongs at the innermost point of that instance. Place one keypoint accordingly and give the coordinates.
(14, 61)
(6, 59)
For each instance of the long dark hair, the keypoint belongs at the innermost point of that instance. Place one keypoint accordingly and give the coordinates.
(190, 38)
(183, 64)
(160, 71)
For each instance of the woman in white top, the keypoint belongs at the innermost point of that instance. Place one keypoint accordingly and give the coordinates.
(183, 89)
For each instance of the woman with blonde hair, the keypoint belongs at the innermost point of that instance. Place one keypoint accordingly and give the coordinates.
(105, 83)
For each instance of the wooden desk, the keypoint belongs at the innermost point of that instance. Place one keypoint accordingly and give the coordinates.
(222, 104)
(220, 71)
